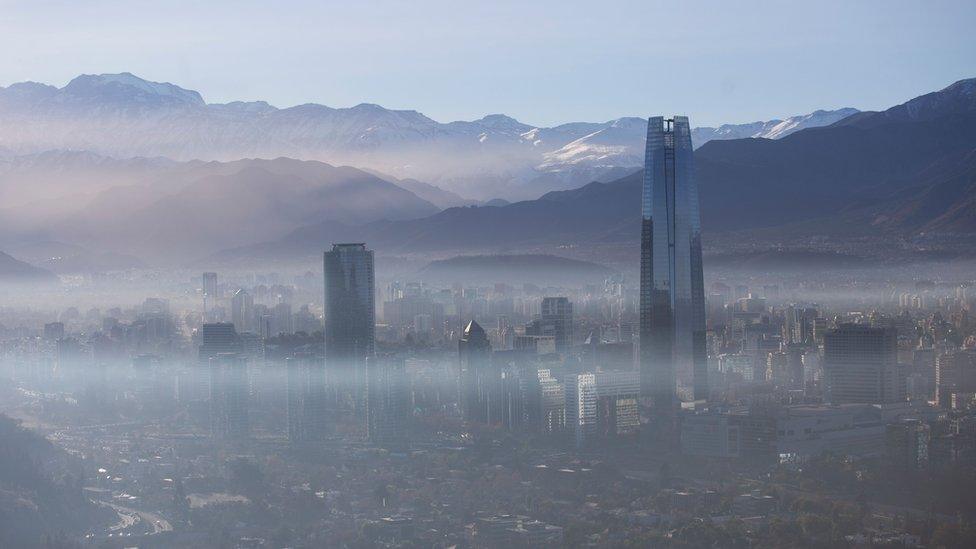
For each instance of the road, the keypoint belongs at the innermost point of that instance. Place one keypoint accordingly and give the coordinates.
(130, 519)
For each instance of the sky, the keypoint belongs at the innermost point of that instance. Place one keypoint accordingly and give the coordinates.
(544, 62)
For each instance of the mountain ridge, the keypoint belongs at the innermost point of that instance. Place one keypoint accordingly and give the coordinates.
(13, 270)
(171, 211)
(123, 115)
(895, 179)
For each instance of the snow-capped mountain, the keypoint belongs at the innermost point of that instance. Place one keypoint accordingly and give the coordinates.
(122, 115)
(617, 143)
(771, 129)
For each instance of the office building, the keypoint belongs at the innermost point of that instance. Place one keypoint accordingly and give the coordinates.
(282, 322)
(861, 365)
(907, 444)
(217, 338)
(474, 359)
(242, 311)
(672, 296)
(477, 382)
(534, 344)
(209, 286)
(350, 318)
(553, 403)
(955, 373)
(602, 405)
(54, 331)
(557, 317)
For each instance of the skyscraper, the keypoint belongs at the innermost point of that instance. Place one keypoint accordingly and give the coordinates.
(474, 352)
(350, 317)
(955, 372)
(217, 338)
(673, 359)
(558, 312)
(861, 365)
(210, 286)
(242, 310)
(601, 405)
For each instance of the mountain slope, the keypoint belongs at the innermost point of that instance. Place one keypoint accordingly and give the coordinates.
(944, 203)
(824, 171)
(41, 490)
(13, 270)
(772, 129)
(172, 211)
(594, 213)
(898, 177)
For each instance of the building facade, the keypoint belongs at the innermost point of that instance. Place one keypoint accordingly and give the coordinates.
(350, 318)
(861, 365)
(478, 392)
(673, 359)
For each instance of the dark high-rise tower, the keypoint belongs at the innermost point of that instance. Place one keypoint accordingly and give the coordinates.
(861, 365)
(242, 311)
(474, 352)
(210, 285)
(672, 293)
(558, 312)
(350, 317)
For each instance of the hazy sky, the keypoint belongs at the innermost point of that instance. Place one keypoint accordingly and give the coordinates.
(544, 62)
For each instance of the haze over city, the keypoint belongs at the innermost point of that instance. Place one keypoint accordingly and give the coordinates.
(634, 274)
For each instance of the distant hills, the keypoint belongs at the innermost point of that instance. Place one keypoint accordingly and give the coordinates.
(906, 170)
(15, 271)
(124, 116)
(166, 211)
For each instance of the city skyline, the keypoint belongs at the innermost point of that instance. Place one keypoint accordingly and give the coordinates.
(242, 326)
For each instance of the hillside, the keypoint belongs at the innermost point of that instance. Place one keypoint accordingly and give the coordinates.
(888, 176)
(41, 490)
(16, 271)
(164, 211)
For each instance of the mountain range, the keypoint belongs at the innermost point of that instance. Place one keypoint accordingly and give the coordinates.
(907, 171)
(904, 172)
(124, 116)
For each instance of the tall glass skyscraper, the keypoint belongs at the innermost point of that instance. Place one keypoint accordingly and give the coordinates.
(672, 296)
(350, 318)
